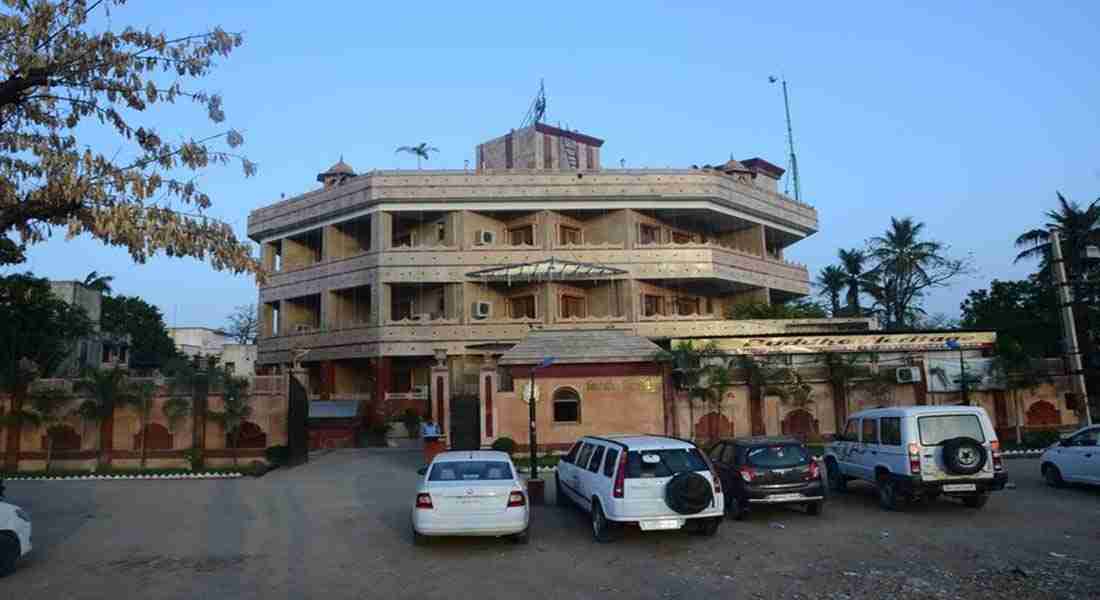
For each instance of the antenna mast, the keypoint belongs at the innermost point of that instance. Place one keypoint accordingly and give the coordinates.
(536, 113)
(792, 160)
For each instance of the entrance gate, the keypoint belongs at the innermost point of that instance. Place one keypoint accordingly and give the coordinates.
(465, 422)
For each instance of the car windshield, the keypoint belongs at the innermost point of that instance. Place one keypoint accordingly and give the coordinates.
(471, 470)
(934, 430)
(663, 463)
(781, 456)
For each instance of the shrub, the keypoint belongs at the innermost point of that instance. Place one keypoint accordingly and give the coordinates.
(277, 455)
(504, 444)
(411, 419)
(194, 458)
(1041, 439)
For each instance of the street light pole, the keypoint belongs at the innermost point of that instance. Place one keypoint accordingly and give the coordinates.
(532, 433)
(954, 345)
(1069, 326)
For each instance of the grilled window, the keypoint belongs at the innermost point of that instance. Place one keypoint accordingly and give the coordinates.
(567, 405)
(522, 307)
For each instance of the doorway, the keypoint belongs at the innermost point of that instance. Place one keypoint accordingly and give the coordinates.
(465, 431)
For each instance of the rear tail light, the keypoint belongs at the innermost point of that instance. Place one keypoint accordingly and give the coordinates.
(995, 447)
(914, 459)
(814, 471)
(516, 499)
(424, 501)
(747, 474)
(620, 477)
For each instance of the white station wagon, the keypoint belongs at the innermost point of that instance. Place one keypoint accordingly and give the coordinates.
(475, 493)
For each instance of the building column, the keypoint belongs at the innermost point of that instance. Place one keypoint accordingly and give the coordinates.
(381, 231)
(440, 394)
(490, 405)
(382, 373)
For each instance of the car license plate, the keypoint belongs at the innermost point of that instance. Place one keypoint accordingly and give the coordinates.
(960, 487)
(782, 497)
(662, 524)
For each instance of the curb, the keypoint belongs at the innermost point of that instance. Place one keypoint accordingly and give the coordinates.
(1021, 453)
(233, 475)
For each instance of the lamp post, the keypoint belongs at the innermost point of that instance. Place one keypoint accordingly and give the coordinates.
(954, 345)
(532, 434)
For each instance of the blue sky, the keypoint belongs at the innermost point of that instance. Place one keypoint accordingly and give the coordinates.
(967, 116)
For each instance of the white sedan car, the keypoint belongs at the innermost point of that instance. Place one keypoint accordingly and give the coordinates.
(1075, 459)
(15, 536)
(474, 493)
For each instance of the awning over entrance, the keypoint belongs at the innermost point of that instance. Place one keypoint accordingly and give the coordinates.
(552, 269)
(573, 347)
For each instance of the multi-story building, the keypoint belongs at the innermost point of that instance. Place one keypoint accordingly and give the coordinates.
(403, 285)
(238, 359)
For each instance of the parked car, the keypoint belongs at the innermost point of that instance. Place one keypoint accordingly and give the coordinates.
(767, 470)
(919, 452)
(1075, 459)
(15, 536)
(659, 483)
(473, 493)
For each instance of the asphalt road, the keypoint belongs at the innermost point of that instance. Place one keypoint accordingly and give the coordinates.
(339, 528)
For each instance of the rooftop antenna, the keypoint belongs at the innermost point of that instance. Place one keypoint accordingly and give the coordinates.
(792, 160)
(536, 113)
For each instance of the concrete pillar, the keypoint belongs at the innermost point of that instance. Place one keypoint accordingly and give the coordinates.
(490, 404)
(381, 230)
(440, 394)
(382, 374)
(379, 303)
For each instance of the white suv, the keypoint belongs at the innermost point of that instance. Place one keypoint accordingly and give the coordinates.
(919, 451)
(657, 482)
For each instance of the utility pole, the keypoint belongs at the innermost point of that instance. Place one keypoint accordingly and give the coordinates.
(792, 159)
(1069, 326)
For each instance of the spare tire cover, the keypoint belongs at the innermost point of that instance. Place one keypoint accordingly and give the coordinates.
(963, 456)
(688, 493)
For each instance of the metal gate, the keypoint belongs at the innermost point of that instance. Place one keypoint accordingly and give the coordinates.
(465, 422)
(297, 412)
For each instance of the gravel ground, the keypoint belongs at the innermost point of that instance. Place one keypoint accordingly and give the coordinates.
(339, 527)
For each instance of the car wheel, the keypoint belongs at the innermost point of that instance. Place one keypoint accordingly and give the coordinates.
(602, 529)
(887, 493)
(976, 501)
(837, 482)
(9, 553)
(522, 537)
(814, 509)
(1053, 476)
(735, 508)
(708, 527)
(559, 493)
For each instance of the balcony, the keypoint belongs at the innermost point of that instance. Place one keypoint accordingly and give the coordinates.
(424, 230)
(349, 308)
(423, 303)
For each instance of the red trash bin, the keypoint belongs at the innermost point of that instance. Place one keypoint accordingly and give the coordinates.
(433, 445)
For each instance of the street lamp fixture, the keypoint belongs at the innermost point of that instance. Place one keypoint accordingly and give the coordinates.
(532, 434)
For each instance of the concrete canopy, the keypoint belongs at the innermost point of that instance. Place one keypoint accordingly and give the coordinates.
(573, 347)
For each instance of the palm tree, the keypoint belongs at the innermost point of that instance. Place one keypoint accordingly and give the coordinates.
(46, 411)
(141, 397)
(843, 369)
(855, 277)
(421, 150)
(108, 387)
(832, 281)
(1017, 371)
(760, 377)
(687, 363)
(1079, 229)
(176, 409)
(719, 379)
(99, 283)
(237, 410)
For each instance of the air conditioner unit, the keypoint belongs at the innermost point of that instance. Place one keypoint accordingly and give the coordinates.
(908, 374)
(482, 310)
(484, 237)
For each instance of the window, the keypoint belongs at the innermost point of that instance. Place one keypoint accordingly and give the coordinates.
(471, 470)
(597, 456)
(663, 463)
(610, 462)
(934, 430)
(1089, 437)
(652, 305)
(572, 456)
(716, 452)
(441, 231)
(890, 431)
(573, 307)
(584, 455)
(730, 455)
(682, 238)
(589, 157)
(522, 235)
(569, 236)
(870, 431)
(687, 306)
(567, 405)
(649, 234)
(850, 430)
(404, 239)
(522, 307)
(402, 309)
(777, 457)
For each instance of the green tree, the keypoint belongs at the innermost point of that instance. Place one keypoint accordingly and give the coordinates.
(907, 267)
(1023, 312)
(831, 281)
(795, 309)
(688, 362)
(856, 278)
(843, 370)
(108, 388)
(141, 396)
(237, 409)
(1018, 370)
(99, 283)
(77, 155)
(760, 376)
(422, 151)
(244, 324)
(176, 409)
(718, 380)
(150, 344)
(47, 411)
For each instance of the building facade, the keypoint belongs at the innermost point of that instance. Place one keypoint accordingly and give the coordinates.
(100, 349)
(397, 288)
(238, 359)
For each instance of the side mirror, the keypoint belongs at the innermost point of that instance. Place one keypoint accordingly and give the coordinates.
(422, 471)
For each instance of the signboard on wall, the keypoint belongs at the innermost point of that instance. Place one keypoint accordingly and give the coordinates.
(945, 375)
(861, 342)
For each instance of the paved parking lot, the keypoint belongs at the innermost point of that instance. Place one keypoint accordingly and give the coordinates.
(338, 528)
